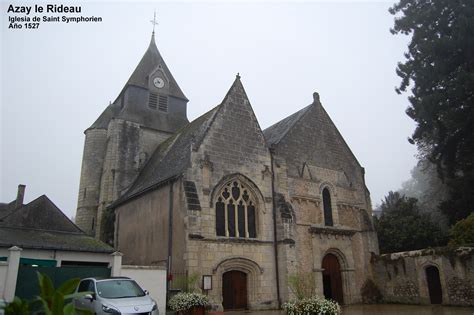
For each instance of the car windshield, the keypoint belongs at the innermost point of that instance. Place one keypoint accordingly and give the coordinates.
(118, 288)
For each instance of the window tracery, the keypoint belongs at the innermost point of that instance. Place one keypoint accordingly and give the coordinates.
(235, 211)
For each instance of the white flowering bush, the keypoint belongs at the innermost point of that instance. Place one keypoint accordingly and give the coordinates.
(314, 305)
(186, 301)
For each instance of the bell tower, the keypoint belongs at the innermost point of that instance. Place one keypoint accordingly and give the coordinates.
(148, 110)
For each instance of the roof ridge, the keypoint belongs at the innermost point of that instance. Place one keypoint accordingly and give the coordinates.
(298, 115)
(169, 144)
(39, 200)
(211, 120)
(43, 230)
(14, 211)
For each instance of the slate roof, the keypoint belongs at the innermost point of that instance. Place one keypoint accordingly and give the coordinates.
(276, 132)
(40, 213)
(41, 224)
(103, 121)
(41, 239)
(169, 122)
(172, 157)
(149, 62)
(7, 208)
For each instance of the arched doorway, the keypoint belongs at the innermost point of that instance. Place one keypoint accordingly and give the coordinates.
(332, 280)
(434, 285)
(234, 290)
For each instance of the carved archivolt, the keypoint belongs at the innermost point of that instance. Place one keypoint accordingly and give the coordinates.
(248, 266)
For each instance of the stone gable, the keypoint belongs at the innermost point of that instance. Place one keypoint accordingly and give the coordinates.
(235, 138)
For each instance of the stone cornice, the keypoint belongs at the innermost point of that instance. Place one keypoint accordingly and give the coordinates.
(345, 204)
(235, 240)
(306, 198)
(331, 231)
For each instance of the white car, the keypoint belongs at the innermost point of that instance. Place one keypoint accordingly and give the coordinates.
(118, 295)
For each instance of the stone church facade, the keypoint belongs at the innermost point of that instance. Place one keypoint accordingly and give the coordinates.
(221, 197)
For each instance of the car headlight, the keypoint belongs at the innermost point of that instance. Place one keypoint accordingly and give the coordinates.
(155, 307)
(109, 309)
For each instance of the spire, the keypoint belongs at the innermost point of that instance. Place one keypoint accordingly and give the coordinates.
(154, 22)
(151, 61)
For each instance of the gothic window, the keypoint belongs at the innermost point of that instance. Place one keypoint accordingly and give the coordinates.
(327, 207)
(235, 211)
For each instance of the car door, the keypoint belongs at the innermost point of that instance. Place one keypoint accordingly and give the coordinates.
(84, 303)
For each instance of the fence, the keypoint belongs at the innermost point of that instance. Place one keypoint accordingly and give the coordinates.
(27, 286)
(18, 279)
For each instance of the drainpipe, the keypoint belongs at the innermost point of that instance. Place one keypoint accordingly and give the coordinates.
(170, 238)
(275, 242)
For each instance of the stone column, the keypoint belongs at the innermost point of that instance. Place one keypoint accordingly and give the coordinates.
(12, 273)
(116, 264)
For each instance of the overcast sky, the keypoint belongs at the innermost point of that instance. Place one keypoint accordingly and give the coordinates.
(56, 80)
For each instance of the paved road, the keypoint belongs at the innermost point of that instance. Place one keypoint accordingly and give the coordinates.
(385, 309)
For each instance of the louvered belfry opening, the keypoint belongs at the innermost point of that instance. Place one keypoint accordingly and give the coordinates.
(158, 101)
(235, 211)
(153, 100)
(163, 103)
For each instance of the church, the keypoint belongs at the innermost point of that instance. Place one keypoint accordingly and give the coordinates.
(245, 208)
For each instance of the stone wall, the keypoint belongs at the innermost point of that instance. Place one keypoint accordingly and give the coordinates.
(306, 238)
(144, 214)
(89, 186)
(402, 277)
(233, 149)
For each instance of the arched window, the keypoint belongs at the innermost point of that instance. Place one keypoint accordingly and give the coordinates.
(235, 211)
(327, 207)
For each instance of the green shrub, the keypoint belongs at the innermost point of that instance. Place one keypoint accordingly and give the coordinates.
(187, 283)
(303, 285)
(462, 233)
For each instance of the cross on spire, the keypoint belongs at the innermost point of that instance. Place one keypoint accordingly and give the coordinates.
(154, 22)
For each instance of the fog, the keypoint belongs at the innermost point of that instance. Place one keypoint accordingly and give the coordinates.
(57, 79)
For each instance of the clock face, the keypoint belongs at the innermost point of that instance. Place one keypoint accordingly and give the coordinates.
(158, 82)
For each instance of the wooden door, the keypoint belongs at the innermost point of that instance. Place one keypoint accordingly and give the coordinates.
(434, 285)
(234, 290)
(332, 280)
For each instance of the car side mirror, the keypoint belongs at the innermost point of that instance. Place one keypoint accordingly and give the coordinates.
(146, 292)
(89, 297)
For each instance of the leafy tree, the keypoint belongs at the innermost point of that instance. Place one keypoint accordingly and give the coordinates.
(429, 190)
(462, 233)
(439, 68)
(403, 227)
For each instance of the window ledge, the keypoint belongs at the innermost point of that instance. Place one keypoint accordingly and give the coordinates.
(228, 240)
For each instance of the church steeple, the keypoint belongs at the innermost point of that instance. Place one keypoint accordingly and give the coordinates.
(149, 109)
(150, 97)
(151, 62)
